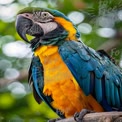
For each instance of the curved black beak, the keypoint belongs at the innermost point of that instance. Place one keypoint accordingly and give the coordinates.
(22, 26)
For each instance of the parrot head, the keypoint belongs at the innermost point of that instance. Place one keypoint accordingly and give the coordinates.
(47, 26)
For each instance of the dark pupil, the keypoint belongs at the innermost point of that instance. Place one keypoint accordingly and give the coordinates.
(44, 14)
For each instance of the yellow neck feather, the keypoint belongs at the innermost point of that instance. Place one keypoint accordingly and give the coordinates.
(46, 50)
(68, 26)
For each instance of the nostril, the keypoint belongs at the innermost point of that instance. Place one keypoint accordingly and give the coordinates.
(27, 15)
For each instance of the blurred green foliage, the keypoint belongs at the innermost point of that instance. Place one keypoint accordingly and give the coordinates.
(100, 26)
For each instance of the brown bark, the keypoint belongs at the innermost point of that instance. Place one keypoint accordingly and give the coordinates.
(98, 117)
(109, 45)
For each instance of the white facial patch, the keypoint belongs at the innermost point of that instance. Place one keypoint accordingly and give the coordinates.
(48, 27)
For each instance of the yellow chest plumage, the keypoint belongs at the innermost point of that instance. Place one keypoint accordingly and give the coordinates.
(60, 84)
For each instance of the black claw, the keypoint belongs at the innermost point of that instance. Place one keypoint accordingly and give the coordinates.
(76, 117)
(79, 116)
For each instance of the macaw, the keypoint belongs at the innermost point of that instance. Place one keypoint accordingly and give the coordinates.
(65, 73)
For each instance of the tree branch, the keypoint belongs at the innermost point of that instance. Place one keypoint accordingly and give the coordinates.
(98, 117)
(112, 43)
(109, 45)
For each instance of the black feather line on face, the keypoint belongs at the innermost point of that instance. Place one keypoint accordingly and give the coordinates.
(55, 37)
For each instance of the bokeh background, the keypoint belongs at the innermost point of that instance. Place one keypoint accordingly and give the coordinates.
(100, 25)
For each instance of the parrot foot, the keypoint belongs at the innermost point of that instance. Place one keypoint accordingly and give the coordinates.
(54, 120)
(78, 116)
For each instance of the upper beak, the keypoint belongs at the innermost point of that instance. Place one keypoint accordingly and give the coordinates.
(23, 24)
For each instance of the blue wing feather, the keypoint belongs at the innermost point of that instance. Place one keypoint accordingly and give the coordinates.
(108, 92)
(112, 87)
(117, 99)
(98, 89)
(86, 84)
(120, 93)
(95, 73)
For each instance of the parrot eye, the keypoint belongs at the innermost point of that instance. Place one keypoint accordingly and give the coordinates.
(44, 15)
